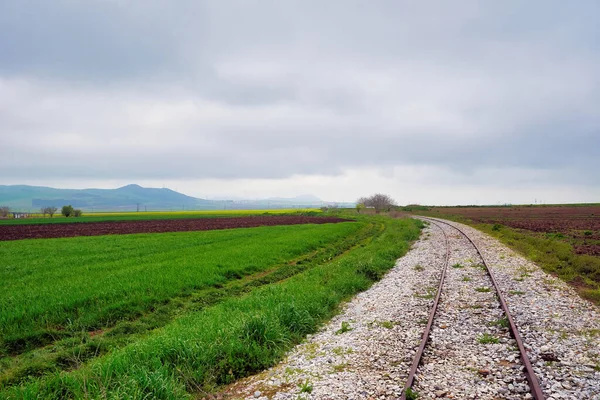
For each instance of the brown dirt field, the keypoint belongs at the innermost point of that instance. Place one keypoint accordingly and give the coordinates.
(580, 225)
(44, 231)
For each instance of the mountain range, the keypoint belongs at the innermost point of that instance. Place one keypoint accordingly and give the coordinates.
(133, 197)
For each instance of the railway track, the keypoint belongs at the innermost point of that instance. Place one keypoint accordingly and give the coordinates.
(527, 369)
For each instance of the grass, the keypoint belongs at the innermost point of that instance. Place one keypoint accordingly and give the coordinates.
(345, 328)
(53, 287)
(150, 215)
(306, 387)
(466, 279)
(411, 394)
(201, 350)
(457, 265)
(486, 338)
(483, 289)
(516, 292)
(502, 322)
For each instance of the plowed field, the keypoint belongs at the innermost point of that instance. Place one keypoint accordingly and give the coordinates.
(580, 225)
(42, 231)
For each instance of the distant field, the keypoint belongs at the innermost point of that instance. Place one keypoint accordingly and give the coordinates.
(207, 306)
(99, 228)
(142, 215)
(563, 239)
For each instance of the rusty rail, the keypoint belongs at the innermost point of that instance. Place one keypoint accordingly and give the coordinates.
(425, 338)
(534, 385)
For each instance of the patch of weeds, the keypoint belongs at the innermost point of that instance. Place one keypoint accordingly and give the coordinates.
(386, 324)
(588, 233)
(429, 295)
(516, 292)
(411, 394)
(340, 367)
(486, 338)
(422, 321)
(480, 266)
(293, 371)
(496, 227)
(306, 387)
(483, 289)
(476, 306)
(338, 351)
(466, 279)
(597, 367)
(310, 349)
(502, 322)
(457, 265)
(519, 279)
(345, 328)
(591, 332)
(418, 268)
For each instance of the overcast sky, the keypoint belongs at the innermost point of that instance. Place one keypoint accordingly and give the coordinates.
(432, 102)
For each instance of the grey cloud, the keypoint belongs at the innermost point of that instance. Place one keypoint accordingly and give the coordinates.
(105, 89)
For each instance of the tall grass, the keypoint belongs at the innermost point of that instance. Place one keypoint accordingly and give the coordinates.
(237, 337)
(53, 287)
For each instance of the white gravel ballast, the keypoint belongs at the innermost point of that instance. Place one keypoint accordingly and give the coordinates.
(366, 351)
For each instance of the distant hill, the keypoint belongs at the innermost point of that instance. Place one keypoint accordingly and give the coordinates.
(134, 197)
(128, 197)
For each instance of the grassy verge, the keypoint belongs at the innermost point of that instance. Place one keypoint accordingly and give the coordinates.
(241, 335)
(150, 215)
(77, 347)
(551, 254)
(54, 288)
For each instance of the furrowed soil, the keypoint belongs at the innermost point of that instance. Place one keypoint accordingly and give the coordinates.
(44, 231)
(578, 225)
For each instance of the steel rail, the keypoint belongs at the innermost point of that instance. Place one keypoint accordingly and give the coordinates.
(425, 337)
(534, 384)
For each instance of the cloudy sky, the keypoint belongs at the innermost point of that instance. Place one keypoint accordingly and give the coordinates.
(433, 102)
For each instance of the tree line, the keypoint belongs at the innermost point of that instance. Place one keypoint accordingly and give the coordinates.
(66, 211)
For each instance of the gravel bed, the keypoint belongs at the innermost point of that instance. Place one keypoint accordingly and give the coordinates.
(560, 330)
(372, 359)
(471, 354)
(365, 352)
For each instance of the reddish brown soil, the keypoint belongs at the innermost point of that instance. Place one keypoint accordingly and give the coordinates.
(42, 231)
(579, 225)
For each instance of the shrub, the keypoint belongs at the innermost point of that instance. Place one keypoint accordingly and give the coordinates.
(67, 211)
(77, 212)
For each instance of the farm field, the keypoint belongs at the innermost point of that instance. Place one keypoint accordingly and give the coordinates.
(171, 314)
(43, 231)
(563, 239)
(151, 215)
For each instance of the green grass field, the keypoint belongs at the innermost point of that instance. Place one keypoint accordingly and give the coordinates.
(136, 216)
(73, 310)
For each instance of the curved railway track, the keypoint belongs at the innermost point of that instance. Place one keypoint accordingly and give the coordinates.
(528, 371)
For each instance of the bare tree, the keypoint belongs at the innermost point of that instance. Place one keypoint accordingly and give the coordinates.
(51, 210)
(44, 211)
(4, 210)
(380, 202)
